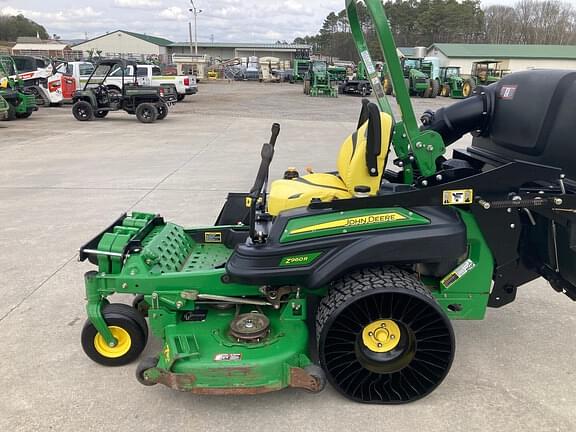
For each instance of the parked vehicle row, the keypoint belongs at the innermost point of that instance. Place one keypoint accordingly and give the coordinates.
(146, 75)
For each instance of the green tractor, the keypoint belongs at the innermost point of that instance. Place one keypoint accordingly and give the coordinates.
(317, 80)
(484, 72)
(96, 99)
(21, 104)
(418, 77)
(351, 277)
(451, 82)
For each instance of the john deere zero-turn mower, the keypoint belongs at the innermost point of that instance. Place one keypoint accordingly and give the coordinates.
(352, 276)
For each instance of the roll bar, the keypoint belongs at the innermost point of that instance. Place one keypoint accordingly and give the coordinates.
(415, 148)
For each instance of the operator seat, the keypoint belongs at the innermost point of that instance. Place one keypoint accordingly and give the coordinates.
(361, 163)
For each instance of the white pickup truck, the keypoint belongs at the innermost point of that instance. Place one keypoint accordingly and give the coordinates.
(146, 75)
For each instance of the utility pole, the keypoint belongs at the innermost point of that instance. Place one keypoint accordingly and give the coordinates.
(195, 11)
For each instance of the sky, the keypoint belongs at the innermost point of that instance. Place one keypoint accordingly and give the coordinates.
(220, 20)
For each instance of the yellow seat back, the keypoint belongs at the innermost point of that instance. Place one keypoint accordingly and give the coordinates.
(352, 166)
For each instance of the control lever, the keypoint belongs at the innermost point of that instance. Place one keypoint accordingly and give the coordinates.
(260, 184)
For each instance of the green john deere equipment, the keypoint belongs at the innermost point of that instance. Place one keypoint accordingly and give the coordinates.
(358, 85)
(300, 65)
(484, 72)
(21, 104)
(3, 108)
(96, 99)
(352, 276)
(451, 82)
(418, 77)
(337, 73)
(317, 80)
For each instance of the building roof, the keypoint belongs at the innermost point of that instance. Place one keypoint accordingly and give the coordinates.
(243, 45)
(39, 47)
(567, 52)
(151, 39)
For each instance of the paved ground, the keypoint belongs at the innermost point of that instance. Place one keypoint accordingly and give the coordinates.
(62, 181)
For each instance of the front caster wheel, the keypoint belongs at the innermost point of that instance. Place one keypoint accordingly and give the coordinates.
(318, 374)
(128, 328)
(143, 366)
(382, 338)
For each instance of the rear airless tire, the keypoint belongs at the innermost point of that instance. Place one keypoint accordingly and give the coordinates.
(382, 337)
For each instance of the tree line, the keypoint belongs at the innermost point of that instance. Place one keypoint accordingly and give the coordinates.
(13, 26)
(424, 22)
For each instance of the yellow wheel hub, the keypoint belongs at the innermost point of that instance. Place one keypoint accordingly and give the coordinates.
(123, 343)
(466, 89)
(381, 336)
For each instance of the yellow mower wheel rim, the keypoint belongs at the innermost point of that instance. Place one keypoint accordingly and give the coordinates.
(123, 343)
(466, 89)
(381, 336)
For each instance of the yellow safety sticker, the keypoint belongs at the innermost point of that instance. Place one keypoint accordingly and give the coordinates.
(457, 197)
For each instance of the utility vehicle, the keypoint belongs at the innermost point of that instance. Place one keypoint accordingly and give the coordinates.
(484, 72)
(351, 276)
(96, 100)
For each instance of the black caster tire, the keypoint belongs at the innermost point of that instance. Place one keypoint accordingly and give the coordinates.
(382, 337)
(143, 366)
(127, 326)
(101, 114)
(140, 305)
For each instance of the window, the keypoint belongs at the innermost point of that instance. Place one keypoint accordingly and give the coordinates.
(117, 72)
(25, 64)
(41, 63)
(142, 71)
(156, 71)
(86, 69)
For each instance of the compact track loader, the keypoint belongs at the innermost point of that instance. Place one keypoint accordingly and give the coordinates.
(351, 277)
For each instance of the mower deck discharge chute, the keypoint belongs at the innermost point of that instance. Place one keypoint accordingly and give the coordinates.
(351, 277)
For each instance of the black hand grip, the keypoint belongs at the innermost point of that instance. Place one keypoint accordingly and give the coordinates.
(275, 133)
